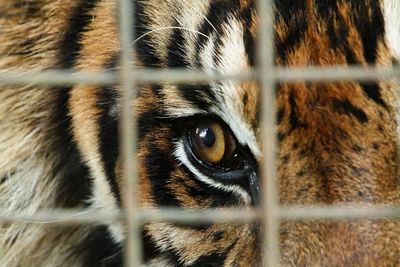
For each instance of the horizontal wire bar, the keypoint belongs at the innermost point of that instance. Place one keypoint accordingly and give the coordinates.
(144, 76)
(198, 216)
(58, 77)
(69, 217)
(340, 212)
(336, 73)
(63, 217)
(184, 76)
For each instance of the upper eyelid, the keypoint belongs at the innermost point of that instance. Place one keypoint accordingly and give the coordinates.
(194, 120)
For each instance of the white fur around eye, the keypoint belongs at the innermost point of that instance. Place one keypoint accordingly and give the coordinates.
(391, 13)
(181, 156)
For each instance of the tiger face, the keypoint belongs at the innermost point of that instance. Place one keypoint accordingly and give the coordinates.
(199, 144)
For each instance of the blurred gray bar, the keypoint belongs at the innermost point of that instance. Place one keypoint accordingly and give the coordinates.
(133, 246)
(196, 216)
(54, 77)
(185, 76)
(355, 212)
(62, 217)
(269, 196)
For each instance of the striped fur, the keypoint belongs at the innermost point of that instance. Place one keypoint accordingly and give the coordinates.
(338, 142)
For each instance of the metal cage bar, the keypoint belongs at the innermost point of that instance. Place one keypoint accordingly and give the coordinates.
(95, 216)
(54, 77)
(269, 196)
(128, 146)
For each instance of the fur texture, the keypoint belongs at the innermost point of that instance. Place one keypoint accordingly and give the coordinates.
(338, 142)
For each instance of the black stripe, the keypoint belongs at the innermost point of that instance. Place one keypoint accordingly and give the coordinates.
(70, 44)
(248, 40)
(371, 28)
(150, 250)
(101, 249)
(176, 49)
(159, 167)
(328, 12)
(294, 119)
(151, 118)
(281, 136)
(75, 186)
(145, 46)
(108, 121)
(280, 114)
(173, 257)
(158, 163)
(200, 95)
(373, 91)
(217, 14)
(213, 259)
(345, 106)
(109, 135)
(294, 15)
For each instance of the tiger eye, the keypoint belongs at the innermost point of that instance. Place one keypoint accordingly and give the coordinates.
(209, 142)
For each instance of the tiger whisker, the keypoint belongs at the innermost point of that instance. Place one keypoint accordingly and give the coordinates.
(168, 28)
(61, 220)
(199, 13)
(111, 257)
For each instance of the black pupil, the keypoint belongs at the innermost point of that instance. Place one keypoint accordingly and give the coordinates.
(207, 136)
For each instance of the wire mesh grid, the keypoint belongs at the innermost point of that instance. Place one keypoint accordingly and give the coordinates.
(267, 74)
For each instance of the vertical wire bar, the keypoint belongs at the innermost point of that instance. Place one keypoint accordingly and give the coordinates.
(133, 253)
(270, 205)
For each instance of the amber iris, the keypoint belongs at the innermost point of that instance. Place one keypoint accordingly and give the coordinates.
(211, 142)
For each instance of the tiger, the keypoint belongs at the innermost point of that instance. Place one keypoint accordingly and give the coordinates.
(199, 145)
